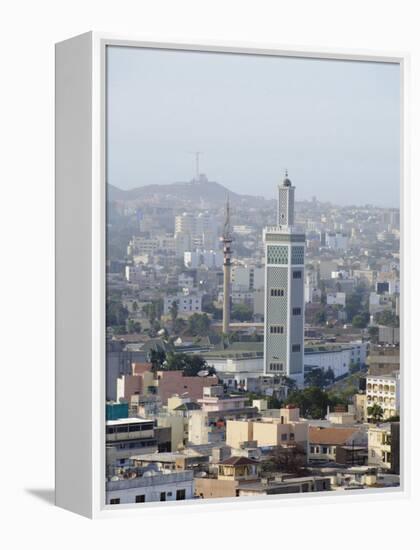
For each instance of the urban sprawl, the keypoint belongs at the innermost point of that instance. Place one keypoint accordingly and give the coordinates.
(252, 344)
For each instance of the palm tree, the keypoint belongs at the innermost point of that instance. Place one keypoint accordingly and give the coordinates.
(375, 412)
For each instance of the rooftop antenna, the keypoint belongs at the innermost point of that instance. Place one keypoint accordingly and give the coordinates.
(197, 163)
(226, 227)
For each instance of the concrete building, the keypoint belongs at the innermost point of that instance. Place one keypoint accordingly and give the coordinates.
(127, 437)
(384, 390)
(380, 447)
(324, 441)
(170, 383)
(212, 259)
(284, 284)
(152, 486)
(336, 299)
(336, 241)
(269, 431)
(337, 357)
(247, 278)
(188, 302)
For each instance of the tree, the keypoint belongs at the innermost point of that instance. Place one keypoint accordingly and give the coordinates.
(354, 367)
(116, 313)
(191, 365)
(360, 320)
(387, 318)
(242, 312)
(320, 318)
(312, 401)
(157, 357)
(199, 324)
(134, 327)
(375, 412)
(286, 459)
(373, 334)
(319, 377)
(354, 303)
(173, 310)
(179, 326)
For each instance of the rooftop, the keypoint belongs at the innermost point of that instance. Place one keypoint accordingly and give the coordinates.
(330, 436)
(127, 421)
(238, 461)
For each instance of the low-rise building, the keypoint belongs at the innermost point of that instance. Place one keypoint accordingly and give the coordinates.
(188, 302)
(384, 390)
(285, 428)
(379, 446)
(324, 441)
(152, 486)
(127, 437)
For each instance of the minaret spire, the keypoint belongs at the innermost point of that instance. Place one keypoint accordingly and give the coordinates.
(227, 251)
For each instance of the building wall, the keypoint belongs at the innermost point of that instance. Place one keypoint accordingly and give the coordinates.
(215, 488)
(385, 391)
(172, 382)
(238, 431)
(151, 488)
(379, 446)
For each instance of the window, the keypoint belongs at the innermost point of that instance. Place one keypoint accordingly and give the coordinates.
(325, 450)
(180, 494)
(312, 449)
(140, 498)
(276, 367)
(277, 292)
(297, 274)
(296, 311)
(284, 437)
(134, 428)
(276, 329)
(114, 501)
(162, 496)
(295, 347)
(292, 436)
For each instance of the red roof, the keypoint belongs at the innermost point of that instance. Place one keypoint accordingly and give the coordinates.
(330, 436)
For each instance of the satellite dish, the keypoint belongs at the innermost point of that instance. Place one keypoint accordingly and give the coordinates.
(203, 373)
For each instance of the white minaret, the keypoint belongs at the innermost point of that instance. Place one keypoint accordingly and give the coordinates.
(227, 252)
(284, 290)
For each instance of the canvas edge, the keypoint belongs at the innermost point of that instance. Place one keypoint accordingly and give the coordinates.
(95, 408)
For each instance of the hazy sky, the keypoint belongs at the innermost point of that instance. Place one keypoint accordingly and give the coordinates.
(334, 124)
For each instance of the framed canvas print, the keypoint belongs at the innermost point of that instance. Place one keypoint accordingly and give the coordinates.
(230, 282)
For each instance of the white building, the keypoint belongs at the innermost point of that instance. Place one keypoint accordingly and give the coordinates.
(187, 302)
(284, 284)
(186, 281)
(311, 290)
(242, 230)
(385, 391)
(336, 357)
(244, 277)
(379, 446)
(336, 241)
(336, 299)
(208, 258)
(152, 486)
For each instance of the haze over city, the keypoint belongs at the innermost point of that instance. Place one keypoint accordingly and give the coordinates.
(334, 124)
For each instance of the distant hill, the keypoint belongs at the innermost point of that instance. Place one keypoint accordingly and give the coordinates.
(195, 192)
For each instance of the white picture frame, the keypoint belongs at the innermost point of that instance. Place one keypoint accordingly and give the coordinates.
(80, 270)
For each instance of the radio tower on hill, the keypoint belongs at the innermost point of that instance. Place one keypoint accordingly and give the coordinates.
(227, 251)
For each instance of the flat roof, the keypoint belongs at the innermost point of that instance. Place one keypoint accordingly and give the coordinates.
(130, 420)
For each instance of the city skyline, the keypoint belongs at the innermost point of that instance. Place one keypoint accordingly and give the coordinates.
(344, 116)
